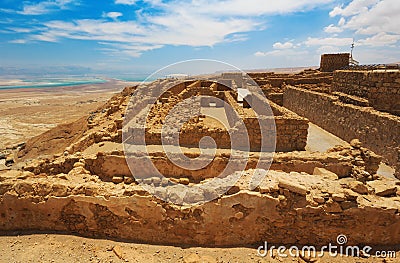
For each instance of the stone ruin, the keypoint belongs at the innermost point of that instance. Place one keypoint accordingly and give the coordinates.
(332, 62)
(83, 185)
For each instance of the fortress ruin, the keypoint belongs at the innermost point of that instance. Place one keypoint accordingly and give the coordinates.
(82, 183)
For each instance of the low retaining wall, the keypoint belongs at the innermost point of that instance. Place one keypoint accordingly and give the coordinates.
(377, 131)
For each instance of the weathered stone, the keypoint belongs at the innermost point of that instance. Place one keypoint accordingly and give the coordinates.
(358, 187)
(156, 181)
(239, 215)
(164, 181)
(129, 180)
(350, 194)
(147, 181)
(339, 197)
(59, 190)
(355, 143)
(118, 251)
(383, 188)
(194, 195)
(319, 199)
(332, 207)
(280, 207)
(293, 187)
(348, 204)
(79, 164)
(184, 181)
(62, 176)
(117, 179)
(325, 173)
(23, 188)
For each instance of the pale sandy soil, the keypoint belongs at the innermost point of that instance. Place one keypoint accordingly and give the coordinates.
(25, 113)
(67, 248)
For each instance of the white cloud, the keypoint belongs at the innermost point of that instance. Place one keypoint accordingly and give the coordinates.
(18, 41)
(333, 29)
(44, 7)
(129, 50)
(249, 7)
(286, 45)
(382, 17)
(329, 41)
(126, 2)
(354, 8)
(342, 21)
(368, 17)
(112, 15)
(374, 22)
(380, 39)
(178, 22)
(260, 54)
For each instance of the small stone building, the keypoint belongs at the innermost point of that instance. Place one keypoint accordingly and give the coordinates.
(332, 62)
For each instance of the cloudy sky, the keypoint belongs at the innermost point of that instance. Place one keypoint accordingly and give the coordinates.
(144, 35)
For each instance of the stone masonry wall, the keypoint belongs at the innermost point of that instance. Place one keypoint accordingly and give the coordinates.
(381, 88)
(291, 129)
(281, 211)
(332, 62)
(377, 131)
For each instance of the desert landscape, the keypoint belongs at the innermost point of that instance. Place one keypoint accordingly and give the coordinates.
(198, 131)
(26, 113)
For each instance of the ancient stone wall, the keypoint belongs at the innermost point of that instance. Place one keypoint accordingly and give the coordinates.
(381, 88)
(108, 166)
(332, 62)
(377, 131)
(291, 129)
(277, 80)
(285, 209)
(237, 77)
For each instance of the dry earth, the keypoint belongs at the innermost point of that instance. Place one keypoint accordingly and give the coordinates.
(25, 113)
(66, 249)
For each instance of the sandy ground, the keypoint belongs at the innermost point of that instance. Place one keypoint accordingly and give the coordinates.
(25, 113)
(67, 248)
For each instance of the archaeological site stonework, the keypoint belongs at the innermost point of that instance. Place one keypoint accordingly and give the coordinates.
(332, 62)
(355, 108)
(83, 184)
(379, 87)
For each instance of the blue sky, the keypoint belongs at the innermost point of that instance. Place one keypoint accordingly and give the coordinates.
(141, 36)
